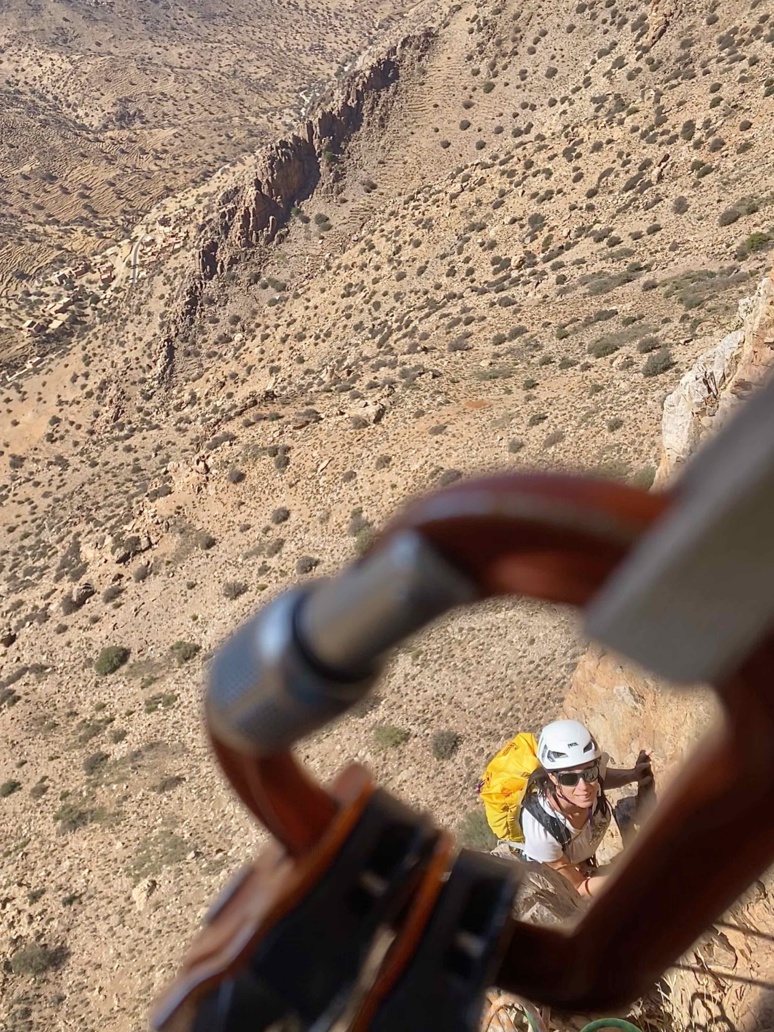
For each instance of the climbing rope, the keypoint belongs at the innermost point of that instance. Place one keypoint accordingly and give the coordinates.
(498, 1018)
(611, 1023)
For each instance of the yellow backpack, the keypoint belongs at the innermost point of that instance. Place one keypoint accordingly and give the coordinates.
(503, 784)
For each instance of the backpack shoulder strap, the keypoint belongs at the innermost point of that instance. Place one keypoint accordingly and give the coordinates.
(602, 802)
(556, 829)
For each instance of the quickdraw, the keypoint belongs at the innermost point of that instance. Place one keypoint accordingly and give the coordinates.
(363, 915)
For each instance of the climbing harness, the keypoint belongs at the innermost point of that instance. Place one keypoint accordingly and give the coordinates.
(363, 915)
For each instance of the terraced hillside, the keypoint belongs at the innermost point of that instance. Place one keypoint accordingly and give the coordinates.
(501, 245)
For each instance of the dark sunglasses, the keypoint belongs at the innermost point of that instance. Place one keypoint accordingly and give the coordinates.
(570, 778)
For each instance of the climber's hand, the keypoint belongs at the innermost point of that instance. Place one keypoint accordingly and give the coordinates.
(643, 772)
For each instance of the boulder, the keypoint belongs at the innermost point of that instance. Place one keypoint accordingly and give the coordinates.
(544, 896)
(368, 414)
(143, 891)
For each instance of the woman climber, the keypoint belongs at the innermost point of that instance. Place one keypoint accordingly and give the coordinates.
(564, 813)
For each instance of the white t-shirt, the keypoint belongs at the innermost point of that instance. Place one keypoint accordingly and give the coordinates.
(541, 846)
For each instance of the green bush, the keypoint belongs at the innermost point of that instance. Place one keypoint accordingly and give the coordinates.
(110, 659)
(306, 563)
(387, 736)
(8, 788)
(554, 438)
(657, 362)
(603, 347)
(183, 651)
(94, 762)
(234, 589)
(643, 478)
(37, 958)
(71, 817)
(754, 242)
(647, 344)
(204, 540)
(729, 216)
(162, 700)
(364, 539)
(445, 744)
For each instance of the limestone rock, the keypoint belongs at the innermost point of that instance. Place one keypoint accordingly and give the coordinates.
(544, 896)
(130, 546)
(190, 477)
(660, 15)
(628, 709)
(368, 414)
(143, 891)
(723, 376)
(625, 707)
(82, 593)
(695, 397)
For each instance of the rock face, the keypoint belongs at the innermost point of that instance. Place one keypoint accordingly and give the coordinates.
(709, 392)
(544, 896)
(255, 208)
(627, 709)
(623, 705)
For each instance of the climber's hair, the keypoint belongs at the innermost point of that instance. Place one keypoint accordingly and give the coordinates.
(538, 783)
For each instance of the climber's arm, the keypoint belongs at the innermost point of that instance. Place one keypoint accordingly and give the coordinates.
(640, 773)
(618, 777)
(583, 884)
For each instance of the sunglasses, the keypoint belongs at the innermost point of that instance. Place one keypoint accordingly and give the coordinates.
(570, 778)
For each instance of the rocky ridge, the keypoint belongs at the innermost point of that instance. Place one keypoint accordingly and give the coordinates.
(625, 706)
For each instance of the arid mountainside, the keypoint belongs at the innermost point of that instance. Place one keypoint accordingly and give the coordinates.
(499, 243)
(107, 108)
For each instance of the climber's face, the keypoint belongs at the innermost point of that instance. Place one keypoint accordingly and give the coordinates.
(579, 785)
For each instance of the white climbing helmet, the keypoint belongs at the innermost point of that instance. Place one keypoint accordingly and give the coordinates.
(566, 743)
